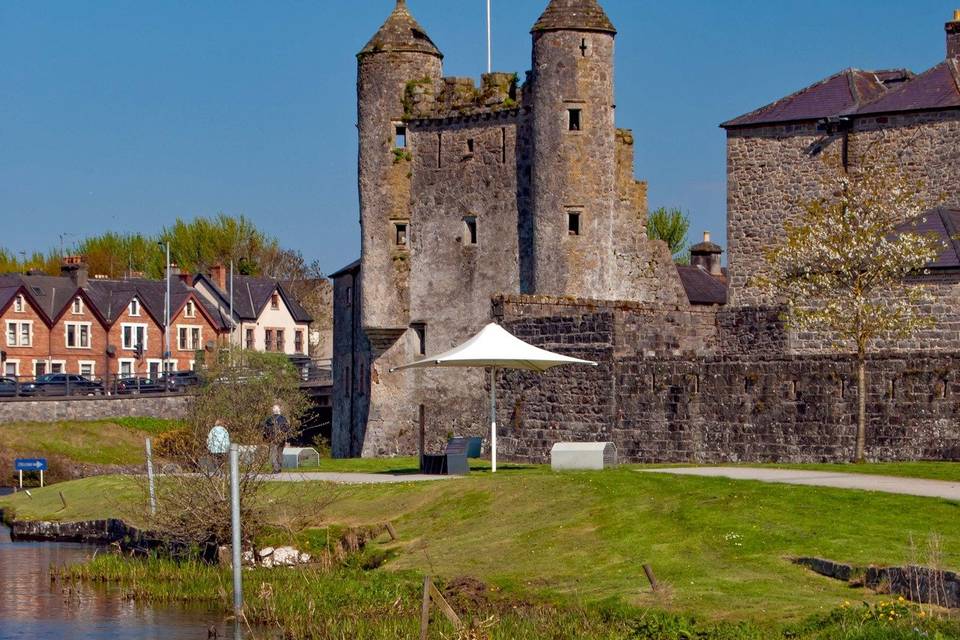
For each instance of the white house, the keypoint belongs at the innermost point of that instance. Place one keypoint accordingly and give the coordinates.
(266, 317)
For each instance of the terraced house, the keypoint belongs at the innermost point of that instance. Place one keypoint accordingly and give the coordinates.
(99, 327)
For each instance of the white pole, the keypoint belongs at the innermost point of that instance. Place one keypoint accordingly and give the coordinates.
(489, 43)
(153, 493)
(493, 418)
(235, 524)
(21, 478)
(41, 478)
(166, 317)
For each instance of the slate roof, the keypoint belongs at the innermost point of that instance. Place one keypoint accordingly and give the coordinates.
(701, 287)
(841, 94)
(945, 224)
(51, 295)
(577, 15)
(251, 295)
(353, 267)
(401, 32)
(937, 88)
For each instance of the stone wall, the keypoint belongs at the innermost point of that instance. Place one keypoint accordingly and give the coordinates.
(716, 407)
(93, 408)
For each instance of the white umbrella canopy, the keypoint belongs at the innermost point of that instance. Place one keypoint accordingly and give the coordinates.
(496, 348)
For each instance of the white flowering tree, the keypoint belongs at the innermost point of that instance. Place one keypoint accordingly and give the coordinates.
(844, 269)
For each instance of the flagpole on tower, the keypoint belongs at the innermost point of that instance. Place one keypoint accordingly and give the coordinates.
(489, 47)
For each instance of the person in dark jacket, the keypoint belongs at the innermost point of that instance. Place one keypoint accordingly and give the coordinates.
(275, 431)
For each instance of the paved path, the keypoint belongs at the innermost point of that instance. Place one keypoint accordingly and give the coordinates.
(865, 482)
(352, 478)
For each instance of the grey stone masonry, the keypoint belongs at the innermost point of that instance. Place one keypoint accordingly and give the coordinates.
(94, 408)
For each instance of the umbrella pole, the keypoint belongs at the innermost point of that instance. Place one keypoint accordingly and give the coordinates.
(493, 418)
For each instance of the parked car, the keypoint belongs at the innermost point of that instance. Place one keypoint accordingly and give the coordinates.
(182, 380)
(144, 385)
(8, 387)
(62, 384)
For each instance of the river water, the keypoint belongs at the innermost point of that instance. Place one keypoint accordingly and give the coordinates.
(34, 608)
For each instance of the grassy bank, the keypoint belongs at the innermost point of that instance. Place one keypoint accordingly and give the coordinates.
(348, 602)
(721, 547)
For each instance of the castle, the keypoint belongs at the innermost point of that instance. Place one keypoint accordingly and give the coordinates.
(519, 203)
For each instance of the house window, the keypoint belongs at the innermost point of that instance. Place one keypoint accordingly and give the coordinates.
(78, 335)
(573, 223)
(39, 368)
(189, 338)
(573, 119)
(189, 311)
(132, 335)
(126, 368)
(400, 140)
(134, 309)
(87, 368)
(57, 366)
(400, 235)
(268, 339)
(77, 306)
(281, 346)
(275, 301)
(18, 304)
(19, 334)
(298, 341)
(11, 368)
(470, 229)
(420, 331)
(249, 338)
(153, 367)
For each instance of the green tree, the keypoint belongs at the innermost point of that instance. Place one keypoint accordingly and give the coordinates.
(671, 226)
(843, 267)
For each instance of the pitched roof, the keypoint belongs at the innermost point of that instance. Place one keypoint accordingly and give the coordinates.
(401, 32)
(51, 295)
(945, 224)
(701, 287)
(353, 267)
(936, 88)
(841, 94)
(251, 295)
(575, 15)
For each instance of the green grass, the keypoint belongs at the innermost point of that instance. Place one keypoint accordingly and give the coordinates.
(104, 442)
(948, 471)
(721, 547)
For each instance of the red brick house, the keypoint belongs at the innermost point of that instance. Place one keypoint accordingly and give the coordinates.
(100, 327)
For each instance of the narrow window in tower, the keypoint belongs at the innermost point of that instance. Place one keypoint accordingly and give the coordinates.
(469, 146)
(573, 119)
(400, 234)
(583, 47)
(439, 150)
(503, 145)
(573, 223)
(400, 141)
(420, 330)
(470, 229)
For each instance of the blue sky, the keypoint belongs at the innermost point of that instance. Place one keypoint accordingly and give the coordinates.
(122, 115)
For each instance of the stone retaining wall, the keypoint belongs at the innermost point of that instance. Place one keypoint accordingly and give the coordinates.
(93, 408)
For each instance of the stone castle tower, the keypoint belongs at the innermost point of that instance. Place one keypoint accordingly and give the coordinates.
(467, 193)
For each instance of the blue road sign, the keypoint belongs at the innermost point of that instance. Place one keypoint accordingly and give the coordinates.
(31, 464)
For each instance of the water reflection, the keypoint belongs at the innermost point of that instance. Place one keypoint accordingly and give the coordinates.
(32, 607)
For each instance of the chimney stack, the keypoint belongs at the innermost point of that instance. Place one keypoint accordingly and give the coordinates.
(75, 267)
(706, 255)
(218, 273)
(953, 36)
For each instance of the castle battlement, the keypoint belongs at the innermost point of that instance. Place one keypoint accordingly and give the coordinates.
(450, 97)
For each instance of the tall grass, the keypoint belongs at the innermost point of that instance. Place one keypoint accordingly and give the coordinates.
(350, 603)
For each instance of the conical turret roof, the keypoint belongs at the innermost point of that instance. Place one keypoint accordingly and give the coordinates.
(401, 33)
(577, 15)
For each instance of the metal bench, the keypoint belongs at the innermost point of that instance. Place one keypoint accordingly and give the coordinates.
(454, 461)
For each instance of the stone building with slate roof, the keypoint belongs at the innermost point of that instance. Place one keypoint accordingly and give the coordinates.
(776, 153)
